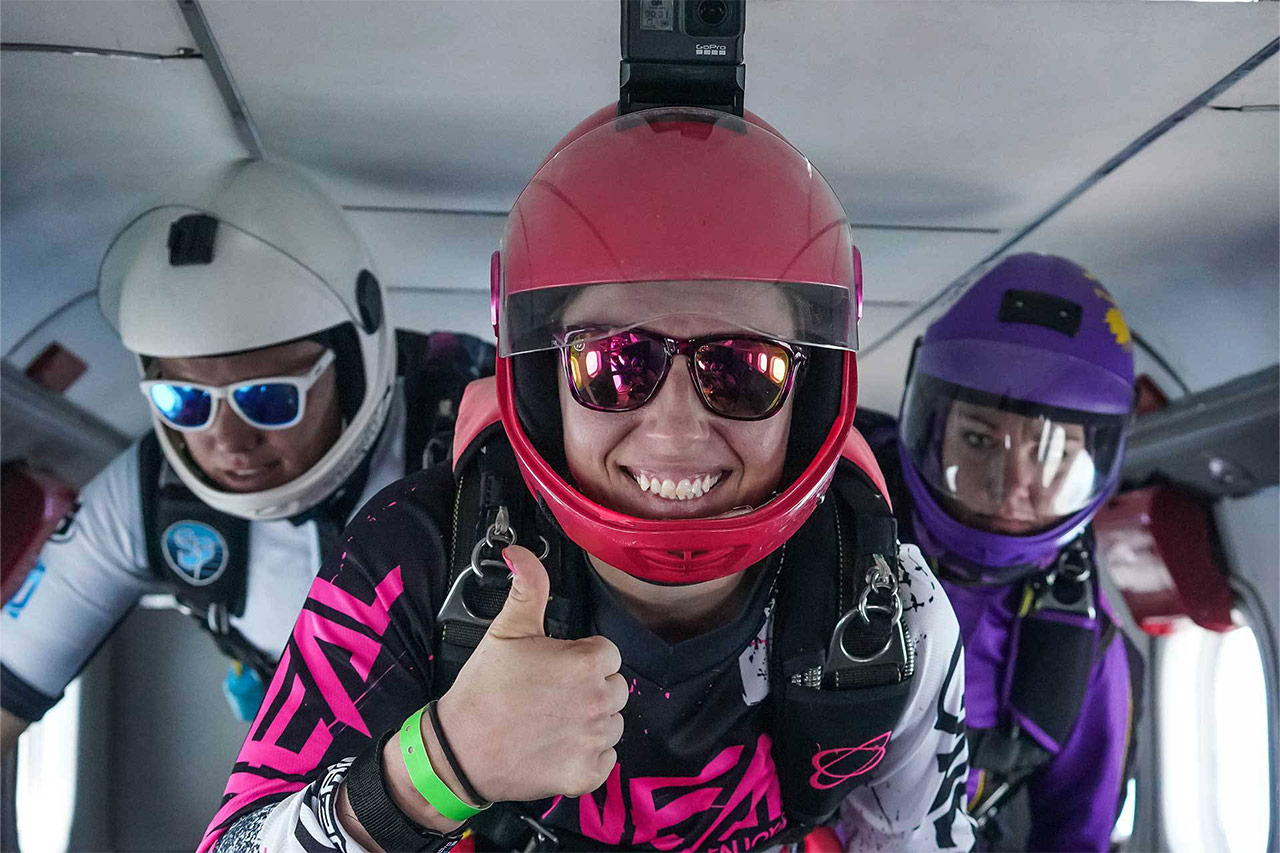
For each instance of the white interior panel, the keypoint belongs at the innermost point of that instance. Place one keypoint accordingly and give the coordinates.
(974, 113)
(881, 374)
(431, 250)
(454, 311)
(903, 267)
(1187, 237)
(442, 105)
(108, 390)
(85, 140)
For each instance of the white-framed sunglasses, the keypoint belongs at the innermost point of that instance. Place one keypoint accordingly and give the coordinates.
(267, 402)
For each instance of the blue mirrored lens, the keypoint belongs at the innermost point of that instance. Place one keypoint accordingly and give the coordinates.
(182, 405)
(269, 404)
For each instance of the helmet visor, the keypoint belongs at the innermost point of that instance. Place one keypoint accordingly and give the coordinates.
(799, 314)
(1003, 465)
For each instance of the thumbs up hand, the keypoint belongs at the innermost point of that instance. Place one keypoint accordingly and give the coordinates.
(530, 716)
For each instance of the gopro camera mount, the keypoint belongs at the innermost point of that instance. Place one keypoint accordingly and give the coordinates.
(682, 53)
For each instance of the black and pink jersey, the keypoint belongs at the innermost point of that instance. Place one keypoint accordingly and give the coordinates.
(695, 769)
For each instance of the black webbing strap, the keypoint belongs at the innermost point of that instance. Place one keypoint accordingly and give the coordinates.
(165, 500)
(1054, 656)
(488, 480)
(1052, 663)
(1005, 757)
(236, 646)
(1007, 760)
(865, 702)
(436, 368)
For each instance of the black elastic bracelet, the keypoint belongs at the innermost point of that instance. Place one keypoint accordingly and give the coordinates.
(449, 756)
(379, 814)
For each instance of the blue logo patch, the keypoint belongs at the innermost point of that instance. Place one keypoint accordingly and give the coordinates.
(23, 595)
(195, 551)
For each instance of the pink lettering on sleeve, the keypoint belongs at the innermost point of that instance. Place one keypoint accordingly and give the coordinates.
(264, 750)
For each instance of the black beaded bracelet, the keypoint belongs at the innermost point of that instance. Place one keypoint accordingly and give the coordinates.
(434, 715)
(379, 814)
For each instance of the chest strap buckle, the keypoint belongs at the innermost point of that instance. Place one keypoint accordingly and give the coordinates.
(1066, 589)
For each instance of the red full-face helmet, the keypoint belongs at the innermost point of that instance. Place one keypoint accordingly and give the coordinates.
(686, 204)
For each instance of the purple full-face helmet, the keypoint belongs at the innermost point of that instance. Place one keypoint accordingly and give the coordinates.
(1013, 426)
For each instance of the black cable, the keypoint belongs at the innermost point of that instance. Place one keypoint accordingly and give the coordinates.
(81, 50)
(1160, 360)
(50, 317)
(961, 283)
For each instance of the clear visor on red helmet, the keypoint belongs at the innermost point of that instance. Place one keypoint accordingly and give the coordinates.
(798, 314)
(1003, 465)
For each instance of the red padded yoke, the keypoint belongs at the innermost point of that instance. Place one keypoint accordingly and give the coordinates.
(477, 411)
(857, 451)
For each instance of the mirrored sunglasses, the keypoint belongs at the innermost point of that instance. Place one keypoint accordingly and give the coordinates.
(269, 402)
(741, 377)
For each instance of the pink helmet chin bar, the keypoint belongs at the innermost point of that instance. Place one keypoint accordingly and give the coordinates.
(678, 551)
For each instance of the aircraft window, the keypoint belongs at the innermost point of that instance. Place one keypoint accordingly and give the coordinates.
(46, 786)
(1124, 822)
(1213, 716)
(1243, 786)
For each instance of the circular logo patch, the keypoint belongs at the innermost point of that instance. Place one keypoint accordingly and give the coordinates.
(195, 551)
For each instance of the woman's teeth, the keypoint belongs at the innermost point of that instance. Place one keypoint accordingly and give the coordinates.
(684, 489)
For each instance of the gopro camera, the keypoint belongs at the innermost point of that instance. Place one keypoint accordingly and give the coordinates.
(682, 53)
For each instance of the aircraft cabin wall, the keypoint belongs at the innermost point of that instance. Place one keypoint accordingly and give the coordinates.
(946, 128)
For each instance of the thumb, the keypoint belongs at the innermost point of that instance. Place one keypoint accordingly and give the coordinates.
(526, 604)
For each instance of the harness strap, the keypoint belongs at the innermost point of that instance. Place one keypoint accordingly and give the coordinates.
(489, 482)
(832, 728)
(167, 505)
(1058, 636)
(436, 369)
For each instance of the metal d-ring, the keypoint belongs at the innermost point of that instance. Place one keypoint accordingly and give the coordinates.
(880, 578)
(839, 657)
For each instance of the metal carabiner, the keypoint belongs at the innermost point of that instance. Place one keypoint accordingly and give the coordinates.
(499, 535)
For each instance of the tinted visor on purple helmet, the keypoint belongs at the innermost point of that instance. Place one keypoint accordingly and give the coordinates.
(1006, 465)
(1013, 426)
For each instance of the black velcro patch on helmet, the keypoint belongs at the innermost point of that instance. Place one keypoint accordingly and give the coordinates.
(191, 240)
(1041, 309)
(369, 301)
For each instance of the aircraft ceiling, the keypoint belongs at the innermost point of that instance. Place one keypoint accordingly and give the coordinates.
(944, 127)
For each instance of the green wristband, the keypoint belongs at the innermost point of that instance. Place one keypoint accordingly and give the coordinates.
(425, 780)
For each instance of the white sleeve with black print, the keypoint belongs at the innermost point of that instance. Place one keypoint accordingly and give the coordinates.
(305, 822)
(917, 799)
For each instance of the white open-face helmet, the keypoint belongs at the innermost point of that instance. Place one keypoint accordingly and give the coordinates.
(246, 255)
